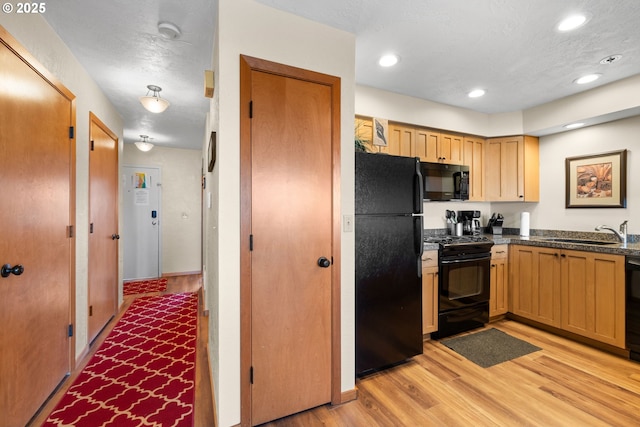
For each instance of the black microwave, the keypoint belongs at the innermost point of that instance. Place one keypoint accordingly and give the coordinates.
(445, 182)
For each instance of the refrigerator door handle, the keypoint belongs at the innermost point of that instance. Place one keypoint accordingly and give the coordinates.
(419, 189)
(418, 234)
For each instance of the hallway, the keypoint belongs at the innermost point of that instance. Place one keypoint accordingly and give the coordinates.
(204, 408)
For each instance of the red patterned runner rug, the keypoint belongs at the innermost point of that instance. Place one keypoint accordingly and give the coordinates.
(144, 286)
(144, 372)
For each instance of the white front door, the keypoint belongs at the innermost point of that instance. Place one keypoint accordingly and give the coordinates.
(141, 236)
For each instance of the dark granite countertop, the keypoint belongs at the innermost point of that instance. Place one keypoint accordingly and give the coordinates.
(546, 238)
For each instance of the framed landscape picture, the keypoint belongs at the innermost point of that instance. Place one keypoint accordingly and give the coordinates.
(597, 180)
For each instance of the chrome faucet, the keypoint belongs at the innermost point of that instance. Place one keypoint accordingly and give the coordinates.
(621, 235)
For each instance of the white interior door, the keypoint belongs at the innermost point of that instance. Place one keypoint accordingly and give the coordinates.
(142, 218)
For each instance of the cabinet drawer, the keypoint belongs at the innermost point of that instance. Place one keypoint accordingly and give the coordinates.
(499, 251)
(429, 259)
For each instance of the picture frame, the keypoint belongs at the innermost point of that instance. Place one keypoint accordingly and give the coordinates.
(212, 151)
(597, 180)
(380, 132)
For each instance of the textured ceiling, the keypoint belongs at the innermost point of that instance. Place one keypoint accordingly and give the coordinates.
(447, 47)
(510, 48)
(118, 42)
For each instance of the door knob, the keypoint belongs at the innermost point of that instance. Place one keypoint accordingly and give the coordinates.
(324, 262)
(115, 237)
(6, 270)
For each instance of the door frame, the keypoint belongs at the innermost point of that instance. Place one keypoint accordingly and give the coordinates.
(247, 66)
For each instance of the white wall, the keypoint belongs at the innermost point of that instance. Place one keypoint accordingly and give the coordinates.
(246, 27)
(181, 203)
(35, 34)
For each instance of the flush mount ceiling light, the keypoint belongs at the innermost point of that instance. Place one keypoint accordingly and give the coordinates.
(388, 60)
(169, 31)
(154, 103)
(574, 125)
(144, 144)
(572, 22)
(476, 93)
(587, 79)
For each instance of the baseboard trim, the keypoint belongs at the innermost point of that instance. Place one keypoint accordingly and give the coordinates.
(348, 396)
(181, 273)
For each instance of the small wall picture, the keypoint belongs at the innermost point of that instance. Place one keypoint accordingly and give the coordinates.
(380, 132)
(597, 181)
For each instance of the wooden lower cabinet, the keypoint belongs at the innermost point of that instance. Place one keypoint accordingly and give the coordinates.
(499, 300)
(577, 291)
(535, 283)
(593, 296)
(429, 292)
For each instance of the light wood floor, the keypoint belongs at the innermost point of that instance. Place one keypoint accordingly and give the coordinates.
(565, 384)
(204, 409)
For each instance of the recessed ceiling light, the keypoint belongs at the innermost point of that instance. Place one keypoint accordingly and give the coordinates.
(476, 93)
(574, 125)
(572, 22)
(587, 79)
(388, 60)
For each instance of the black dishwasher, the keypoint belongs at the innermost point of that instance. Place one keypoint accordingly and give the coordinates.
(633, 306)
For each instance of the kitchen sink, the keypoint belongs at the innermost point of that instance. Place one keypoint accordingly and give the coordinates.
(580, 241)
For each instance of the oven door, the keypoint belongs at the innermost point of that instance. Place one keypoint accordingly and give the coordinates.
(464, 280)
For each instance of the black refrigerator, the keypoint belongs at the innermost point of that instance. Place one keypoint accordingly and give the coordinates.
(388, 235)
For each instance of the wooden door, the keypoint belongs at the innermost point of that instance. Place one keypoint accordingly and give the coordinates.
(103, 227)
(292, 226)
(36, 175)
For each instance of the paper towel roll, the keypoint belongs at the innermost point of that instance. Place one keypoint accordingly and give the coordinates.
(524, 224)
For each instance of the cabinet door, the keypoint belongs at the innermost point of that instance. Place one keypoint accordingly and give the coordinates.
(429, 292)
(493, 175)
(426, 146)
(364, 130)
(593, 296)
(499, 301)
(512, 169)
(450, 149)
(401, 141)
(474, 158)
(535, 283)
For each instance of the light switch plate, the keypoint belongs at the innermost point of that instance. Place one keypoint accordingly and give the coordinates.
(347, 223)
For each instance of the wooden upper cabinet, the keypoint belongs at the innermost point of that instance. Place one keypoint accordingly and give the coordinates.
(426, 146)
(473, 156)
(364, 130)
(401, 141)
(512, 169)
(450, 149)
